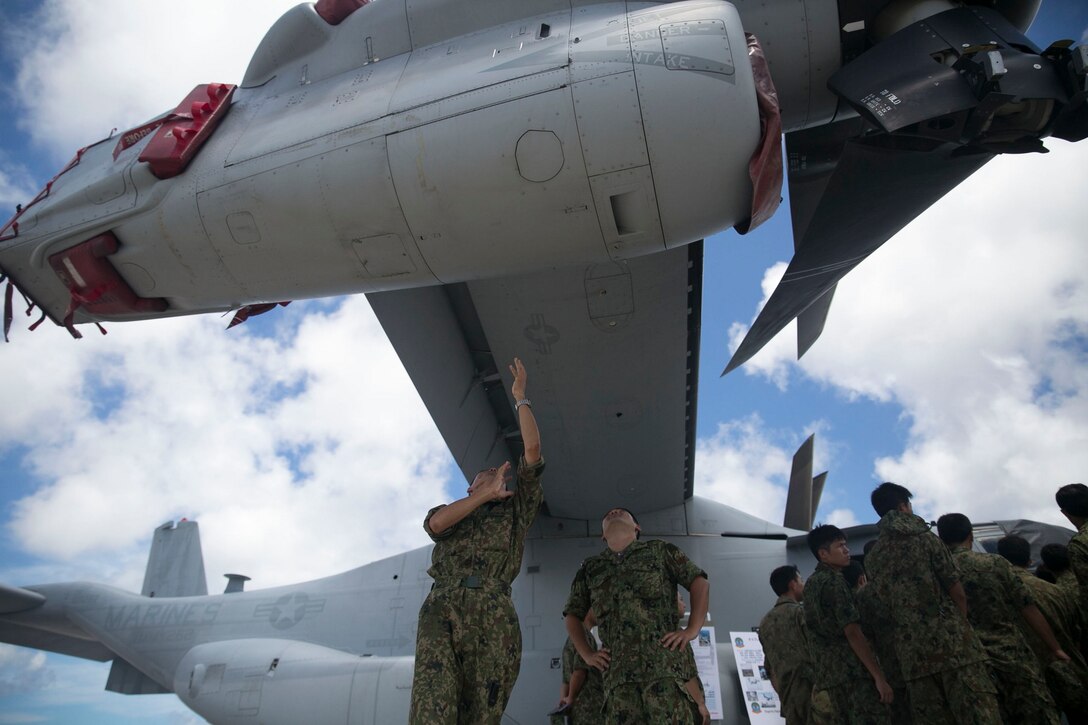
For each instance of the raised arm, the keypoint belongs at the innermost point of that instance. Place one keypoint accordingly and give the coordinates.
(530, 434)
(489, 485)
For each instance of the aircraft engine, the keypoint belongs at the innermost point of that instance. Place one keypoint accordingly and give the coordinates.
(565, 137)
(284, 682)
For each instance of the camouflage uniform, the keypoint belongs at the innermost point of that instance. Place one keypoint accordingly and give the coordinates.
(787, 658)
(468, 643)
(941, 658)
(1068, 681)
(1067, 580)
(633, 595)
(1078, 560)
(878, 627)
(829, 608)
(588, 706)
(995, 596)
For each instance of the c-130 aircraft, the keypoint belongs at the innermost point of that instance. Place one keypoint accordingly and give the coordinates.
(326, 107)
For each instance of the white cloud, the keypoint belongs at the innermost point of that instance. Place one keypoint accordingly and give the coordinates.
(16, 187)
(843, 518)
(300, 456)
(747, 465)
(90, 67)
(22, 670)
(974, 319)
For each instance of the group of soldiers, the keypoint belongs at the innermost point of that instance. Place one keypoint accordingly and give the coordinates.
(468, 641)
(929, 630)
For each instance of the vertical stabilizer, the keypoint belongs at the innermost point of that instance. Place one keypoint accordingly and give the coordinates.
(799, 500)
(175, 567)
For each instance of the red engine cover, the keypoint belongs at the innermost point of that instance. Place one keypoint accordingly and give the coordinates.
(181, 135)
(94, 282)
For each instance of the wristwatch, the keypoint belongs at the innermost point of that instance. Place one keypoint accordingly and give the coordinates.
(523, 401)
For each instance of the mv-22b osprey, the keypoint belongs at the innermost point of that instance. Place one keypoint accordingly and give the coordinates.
(506, 178)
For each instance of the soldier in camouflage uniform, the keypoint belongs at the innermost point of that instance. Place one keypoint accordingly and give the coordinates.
(468, 642)
(583, 690)
(996, 600)
(847, 674)
(877, 627)
(942, 660)
(785, 646)
(1073, 501)
(631, 587)
(1068, 681)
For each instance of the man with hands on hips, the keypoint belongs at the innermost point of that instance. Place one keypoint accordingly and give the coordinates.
(631, 587)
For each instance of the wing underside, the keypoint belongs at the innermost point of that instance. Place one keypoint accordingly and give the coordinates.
(612, 355)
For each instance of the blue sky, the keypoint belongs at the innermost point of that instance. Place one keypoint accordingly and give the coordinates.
(953, 362)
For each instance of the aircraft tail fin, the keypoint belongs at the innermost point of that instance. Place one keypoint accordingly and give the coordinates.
(803, 497)
(175, 567)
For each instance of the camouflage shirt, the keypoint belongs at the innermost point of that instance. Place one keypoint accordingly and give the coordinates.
(877, 624)
(1066, 619)
(1078, 559)
(829, 608)
(1067, 580)
(490, 541)
(633, 594)
(995, 596)
(912, 572)
(785, 648)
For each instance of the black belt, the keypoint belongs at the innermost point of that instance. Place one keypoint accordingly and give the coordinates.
(472, 581)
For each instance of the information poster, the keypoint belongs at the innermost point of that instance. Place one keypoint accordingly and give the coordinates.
(760, 699)
(705, 647)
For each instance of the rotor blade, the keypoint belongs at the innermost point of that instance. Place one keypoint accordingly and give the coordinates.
(878, 186)
(799, 510)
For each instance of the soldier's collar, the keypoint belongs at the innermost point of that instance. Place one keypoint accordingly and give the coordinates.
(620, 555)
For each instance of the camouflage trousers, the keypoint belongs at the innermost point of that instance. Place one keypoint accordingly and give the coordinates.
(961, 696)
(1023, 695)
(855, 703)
(1068, 683)
(797, 702)
(468, 653)
(661, 702)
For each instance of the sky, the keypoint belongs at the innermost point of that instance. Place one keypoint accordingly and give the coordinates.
(953, 362)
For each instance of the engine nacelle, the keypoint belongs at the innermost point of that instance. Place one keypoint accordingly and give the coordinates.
(574, 137)
(272, 681)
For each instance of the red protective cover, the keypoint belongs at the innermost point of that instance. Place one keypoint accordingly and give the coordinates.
(183, 132)
(333, 12)
(95, 284)
(765, 166)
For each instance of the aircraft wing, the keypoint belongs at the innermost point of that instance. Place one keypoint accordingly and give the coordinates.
(848, 196)
(611, 352)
